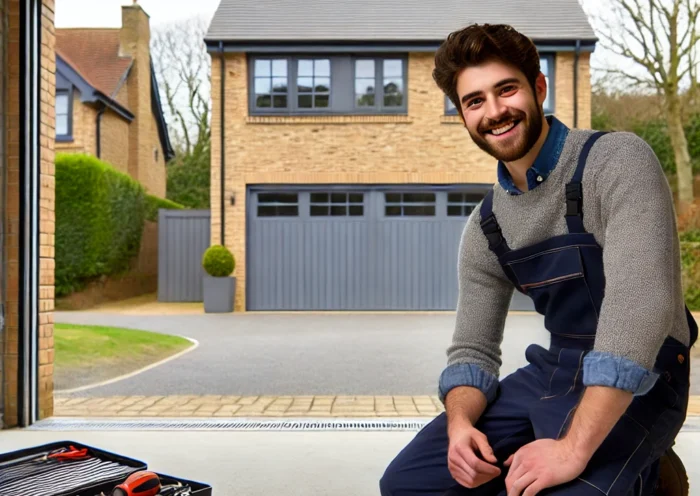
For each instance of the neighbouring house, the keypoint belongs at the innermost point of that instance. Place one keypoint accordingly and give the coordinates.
(27, 91)
(348, 175)
(107, 100)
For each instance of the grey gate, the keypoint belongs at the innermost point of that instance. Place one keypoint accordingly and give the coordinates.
(183, 237)
(356, 248)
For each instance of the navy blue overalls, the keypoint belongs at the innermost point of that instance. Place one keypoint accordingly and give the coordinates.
(564, 277)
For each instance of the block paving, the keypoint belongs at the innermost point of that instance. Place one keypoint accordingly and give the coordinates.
(259, 406)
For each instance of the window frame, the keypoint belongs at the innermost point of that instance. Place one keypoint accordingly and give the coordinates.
(69, 135)
(379, 107)
(551, 94)
(342, 89)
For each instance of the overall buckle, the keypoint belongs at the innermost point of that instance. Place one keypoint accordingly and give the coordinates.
(574, 199)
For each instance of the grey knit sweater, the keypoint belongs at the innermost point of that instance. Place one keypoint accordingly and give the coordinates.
(628, 208)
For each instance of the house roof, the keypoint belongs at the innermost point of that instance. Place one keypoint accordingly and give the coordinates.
(407, 21)
(94, 54)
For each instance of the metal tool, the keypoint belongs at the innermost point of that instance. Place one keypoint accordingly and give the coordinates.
(141, 483)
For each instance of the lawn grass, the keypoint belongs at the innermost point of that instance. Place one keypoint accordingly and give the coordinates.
(87, 346)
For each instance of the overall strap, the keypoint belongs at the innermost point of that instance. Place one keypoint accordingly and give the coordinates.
(490, 227)
(574, 189)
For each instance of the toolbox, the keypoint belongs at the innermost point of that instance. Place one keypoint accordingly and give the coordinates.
(46, 470)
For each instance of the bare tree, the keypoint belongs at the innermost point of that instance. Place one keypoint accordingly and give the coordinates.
(183, 70)
(660, 39)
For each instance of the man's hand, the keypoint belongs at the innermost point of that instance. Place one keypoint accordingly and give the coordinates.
(462, 460)
(541, 464)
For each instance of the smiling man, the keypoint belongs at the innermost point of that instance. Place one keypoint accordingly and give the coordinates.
(583, 223)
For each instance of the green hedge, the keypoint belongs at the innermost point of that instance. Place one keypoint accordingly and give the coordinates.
(153, 203)
(690, 266)
(99, 220)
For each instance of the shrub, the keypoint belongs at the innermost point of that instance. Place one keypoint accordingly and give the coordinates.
(99, 220)
(690, 269)
(218, 261)
(153, 203)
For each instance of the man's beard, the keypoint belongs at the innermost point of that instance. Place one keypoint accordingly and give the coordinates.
(509, 150)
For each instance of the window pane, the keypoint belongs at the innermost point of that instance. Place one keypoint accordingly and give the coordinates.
(305, 101)
(364, 68)
(319, 197)
(365, 100)
(393, 68)
(392, 197)
(281, 211)
(61, 104)
(321, 101)
(393, 211)
(263, 85)
(364, 86)
(473, 197)
(279, 85)
(339, 198)
(277, 198)
(317, 210)
(323, 84)
(356, 197)
(338, 210)
(393, 100)
(426, 210)
(356, 210)
(263, 68)
(263, 101)
(393, 86)
(455, 197)
(454, 210)
(280, 101)
(544, 66)
(322, 68)
(279, 68)
(61, 125)
(468, 209)
(418, 197)
(305, 84)
(306, 68)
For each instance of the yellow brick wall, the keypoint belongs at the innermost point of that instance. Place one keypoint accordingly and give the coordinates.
(564, 89)
(10, 346)
(422, 147)
(153, 172)
(114, 146)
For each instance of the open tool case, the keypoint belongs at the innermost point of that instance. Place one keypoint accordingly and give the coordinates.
(109, 469)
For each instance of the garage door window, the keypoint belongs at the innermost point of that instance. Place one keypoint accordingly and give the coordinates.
(462, 204)
(409, 204)
(336, 204)
(278, 205)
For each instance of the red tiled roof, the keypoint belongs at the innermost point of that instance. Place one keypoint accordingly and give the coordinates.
(94, 53)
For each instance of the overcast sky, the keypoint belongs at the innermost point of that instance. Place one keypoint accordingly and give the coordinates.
(107, 13)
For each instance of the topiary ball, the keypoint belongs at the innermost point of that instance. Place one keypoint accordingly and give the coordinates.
(218, 261)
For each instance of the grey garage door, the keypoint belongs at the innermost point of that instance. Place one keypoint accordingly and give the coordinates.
(351, 248)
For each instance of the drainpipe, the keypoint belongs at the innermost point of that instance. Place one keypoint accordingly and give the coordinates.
(222, 124)
(98, 130)
(576, 57)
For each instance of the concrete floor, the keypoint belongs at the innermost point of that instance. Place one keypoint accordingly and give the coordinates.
(276, 463)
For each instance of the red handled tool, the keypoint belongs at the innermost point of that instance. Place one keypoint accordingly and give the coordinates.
(142, 483)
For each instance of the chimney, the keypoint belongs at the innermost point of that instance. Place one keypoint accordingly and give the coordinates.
(135, 38)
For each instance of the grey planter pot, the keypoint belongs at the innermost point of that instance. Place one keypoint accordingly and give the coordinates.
(219, 294)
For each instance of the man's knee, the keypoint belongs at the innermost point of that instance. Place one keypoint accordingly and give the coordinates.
(388, 481)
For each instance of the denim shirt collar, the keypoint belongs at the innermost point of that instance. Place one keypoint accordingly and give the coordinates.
(545, 162)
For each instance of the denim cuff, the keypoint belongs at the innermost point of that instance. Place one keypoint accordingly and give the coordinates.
(606, 369)
(467, 374)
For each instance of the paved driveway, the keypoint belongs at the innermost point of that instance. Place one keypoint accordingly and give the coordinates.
(304, 354)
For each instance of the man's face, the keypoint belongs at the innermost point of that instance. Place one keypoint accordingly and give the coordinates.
(500, 112)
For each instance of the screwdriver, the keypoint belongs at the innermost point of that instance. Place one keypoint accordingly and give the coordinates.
(141, 483)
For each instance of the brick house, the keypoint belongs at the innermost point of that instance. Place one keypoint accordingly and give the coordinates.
(107, 101)
(348, 175)
(27, 205)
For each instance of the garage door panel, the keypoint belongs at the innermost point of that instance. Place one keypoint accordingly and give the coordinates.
(396, 251)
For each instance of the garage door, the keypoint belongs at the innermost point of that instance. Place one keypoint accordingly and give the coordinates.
(351, 248)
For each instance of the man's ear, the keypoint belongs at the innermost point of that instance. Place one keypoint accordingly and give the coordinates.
(541, 88)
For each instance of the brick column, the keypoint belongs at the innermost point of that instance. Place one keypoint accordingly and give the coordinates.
(12, 208)
(47, 206)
